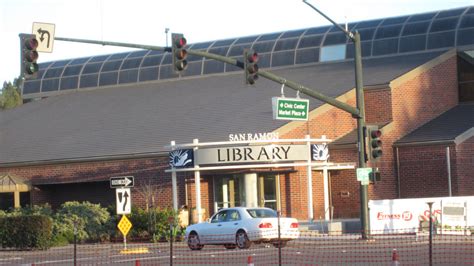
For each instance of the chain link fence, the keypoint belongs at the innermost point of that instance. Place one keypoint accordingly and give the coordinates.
(311, 248)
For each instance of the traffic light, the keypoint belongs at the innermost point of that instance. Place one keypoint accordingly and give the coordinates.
(179, 52)
(374, 176)
(250, 66)
(29, 56)
(374, 143)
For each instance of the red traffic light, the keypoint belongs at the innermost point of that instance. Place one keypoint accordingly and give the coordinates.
(179, 52)
(376, 133)
(250, 66)
(252, 57)
(180, 42)
(29, 55)
(31, 43)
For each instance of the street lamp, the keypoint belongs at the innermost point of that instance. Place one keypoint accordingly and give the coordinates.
(364, 198)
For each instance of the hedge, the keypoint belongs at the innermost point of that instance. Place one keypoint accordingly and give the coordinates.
(26, 232)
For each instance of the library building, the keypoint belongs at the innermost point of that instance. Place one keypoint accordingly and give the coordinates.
(204, 139)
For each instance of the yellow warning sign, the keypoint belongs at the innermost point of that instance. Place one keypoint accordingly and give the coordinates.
(124, 225)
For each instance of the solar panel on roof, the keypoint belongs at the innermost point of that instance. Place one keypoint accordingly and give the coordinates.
(128, 76)
(285, 44)
(202, 45)
(211, 66)
(87, 81)
(305, 56)
(111, 65)
(68, 83)
(444, 24)
(269, 37)
(440, 40)
(72, 70)
(54, 72)
(310, 41)
(92, 68)
(465, 37)
(32, 86)
(422, 17)
(388, 31)
(467, 22)
(283, 58)
(132, 63)
(413, 43)
(249, 39)
(99, 58)
(263, 47)
(416, 28)
(450, 13)
(291, 34)
(79, 61)
(152, 61)
(318, 30)
(108, 78)
(50, 85)
(149, 73)
(392, 21)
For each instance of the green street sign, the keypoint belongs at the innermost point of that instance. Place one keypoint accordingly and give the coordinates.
(290, 108)
(363, 175)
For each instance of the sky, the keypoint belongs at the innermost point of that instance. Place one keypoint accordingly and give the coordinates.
(144, 22)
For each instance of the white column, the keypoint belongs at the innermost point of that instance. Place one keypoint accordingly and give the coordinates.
(326, 194)
(225, 198)
(310, 181)
(448, 160)
(251, 196)
(197, 183)
(173, 182)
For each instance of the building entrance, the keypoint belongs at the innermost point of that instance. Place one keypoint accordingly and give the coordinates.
(249, 190)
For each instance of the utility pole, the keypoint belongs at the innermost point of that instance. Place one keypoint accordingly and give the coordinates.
(364, 194)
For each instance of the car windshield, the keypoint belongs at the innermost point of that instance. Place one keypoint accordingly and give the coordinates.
(262, 213)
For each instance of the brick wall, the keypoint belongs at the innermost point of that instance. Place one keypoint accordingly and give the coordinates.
(465, 168)
(423, 171)
(418, 98)
(90, 181)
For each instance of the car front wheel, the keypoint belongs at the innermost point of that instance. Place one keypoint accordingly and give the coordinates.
(193, 241)
(241, 240)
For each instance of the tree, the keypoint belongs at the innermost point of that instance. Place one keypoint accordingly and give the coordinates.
(10, 96)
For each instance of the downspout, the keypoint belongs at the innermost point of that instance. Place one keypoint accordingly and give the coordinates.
(448, 164)
(398, 173)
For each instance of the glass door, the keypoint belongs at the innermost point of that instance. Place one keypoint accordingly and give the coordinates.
(227, 191)
(268, 188)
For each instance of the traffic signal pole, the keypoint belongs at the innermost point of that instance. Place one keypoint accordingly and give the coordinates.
(364, 195)
(291, 84)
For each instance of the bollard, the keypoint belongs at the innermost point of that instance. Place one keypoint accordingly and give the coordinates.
(250, 261)
(395, 258)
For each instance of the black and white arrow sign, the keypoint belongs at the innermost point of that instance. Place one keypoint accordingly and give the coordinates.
(121, 181)
(124, 200)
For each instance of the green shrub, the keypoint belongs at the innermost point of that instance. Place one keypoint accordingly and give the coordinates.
(26, 231)
(89, 219)
(33, 210)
